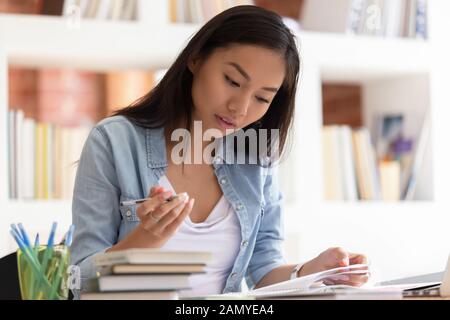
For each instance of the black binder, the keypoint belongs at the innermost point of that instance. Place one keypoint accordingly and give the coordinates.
(9, 278)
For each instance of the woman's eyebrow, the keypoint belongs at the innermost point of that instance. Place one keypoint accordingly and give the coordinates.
(240, 70)
(247, 77)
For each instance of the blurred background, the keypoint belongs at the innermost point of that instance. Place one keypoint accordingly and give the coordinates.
(368, 166)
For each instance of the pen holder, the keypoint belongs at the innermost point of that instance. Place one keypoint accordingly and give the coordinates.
(43, 273)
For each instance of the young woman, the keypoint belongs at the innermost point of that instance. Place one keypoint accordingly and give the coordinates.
(238, 73)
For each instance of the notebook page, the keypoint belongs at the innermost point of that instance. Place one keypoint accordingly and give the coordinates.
(306, 282)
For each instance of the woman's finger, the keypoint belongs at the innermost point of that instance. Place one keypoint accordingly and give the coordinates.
(152, 221)
(152, 204)
(172, 216)
(355, 281)
(174, 225)
(356, 258)
(155, 190)
(165, 208)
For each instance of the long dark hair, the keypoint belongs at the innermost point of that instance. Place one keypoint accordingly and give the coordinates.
(170, 103)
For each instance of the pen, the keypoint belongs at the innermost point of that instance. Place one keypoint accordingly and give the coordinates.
(70, 235)
(139, 201)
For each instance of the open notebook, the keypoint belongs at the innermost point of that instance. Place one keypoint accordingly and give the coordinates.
(313, 286)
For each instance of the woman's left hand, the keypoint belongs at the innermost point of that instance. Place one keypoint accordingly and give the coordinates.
(338, 257)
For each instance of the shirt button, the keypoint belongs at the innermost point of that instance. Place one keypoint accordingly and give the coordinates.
(128, 213)
(223, 181)
(244, 243)
(239, 206)
(233, 275)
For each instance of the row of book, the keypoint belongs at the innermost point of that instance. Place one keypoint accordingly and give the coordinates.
(91, 9)
(353, 170)
(389, 18)
(42, 158)
(102, 9)
(144, 274)
(200, 11)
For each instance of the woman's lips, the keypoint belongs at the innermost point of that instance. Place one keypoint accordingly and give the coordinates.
(225, 123)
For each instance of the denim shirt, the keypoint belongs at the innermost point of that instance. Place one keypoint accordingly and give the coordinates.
(121, 161)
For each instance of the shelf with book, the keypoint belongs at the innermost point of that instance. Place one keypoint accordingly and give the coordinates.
(52, 43)
(383, 19)
(376, 140)
(75, 10)
(396, 18)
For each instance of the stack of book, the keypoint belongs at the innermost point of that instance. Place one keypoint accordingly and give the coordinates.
(147, 274)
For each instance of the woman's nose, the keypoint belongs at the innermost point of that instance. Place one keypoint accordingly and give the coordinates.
(239, 105)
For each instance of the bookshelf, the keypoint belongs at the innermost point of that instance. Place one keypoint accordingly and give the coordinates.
(405, 68)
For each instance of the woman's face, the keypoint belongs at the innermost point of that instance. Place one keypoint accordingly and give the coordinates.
(235, 86)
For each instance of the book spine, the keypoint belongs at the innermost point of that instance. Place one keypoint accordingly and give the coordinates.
(347, 164)
(12, 153)
(29, 155)
(421, 19)
(355, 16)
(19, 153)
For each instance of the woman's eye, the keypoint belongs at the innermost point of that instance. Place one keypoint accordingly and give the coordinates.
(262, 100)
(231, 82)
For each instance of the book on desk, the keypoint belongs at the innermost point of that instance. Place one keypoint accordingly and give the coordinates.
(144, 274)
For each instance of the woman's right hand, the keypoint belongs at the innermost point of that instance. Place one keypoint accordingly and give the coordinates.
(160, 220)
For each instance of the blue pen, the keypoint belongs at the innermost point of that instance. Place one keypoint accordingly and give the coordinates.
(49, 249)
(51, 238)
(36, 241)
(34, 281)
(24, 249)
(25, 238)
(70, 235)
(14, 228)
(16, 235)
(36, 245)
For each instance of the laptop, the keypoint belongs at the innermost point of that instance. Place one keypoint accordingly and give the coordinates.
(434, 284)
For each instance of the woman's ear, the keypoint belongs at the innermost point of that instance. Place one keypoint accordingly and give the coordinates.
(193, 64)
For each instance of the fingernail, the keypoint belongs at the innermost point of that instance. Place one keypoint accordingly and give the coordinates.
(183, 197)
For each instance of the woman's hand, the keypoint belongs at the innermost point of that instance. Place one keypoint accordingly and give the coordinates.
(161, 219)
(338, 257)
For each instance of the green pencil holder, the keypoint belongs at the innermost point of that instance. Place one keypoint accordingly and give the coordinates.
(51, 282)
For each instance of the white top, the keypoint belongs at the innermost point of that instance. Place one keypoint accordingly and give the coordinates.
(219, 234)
